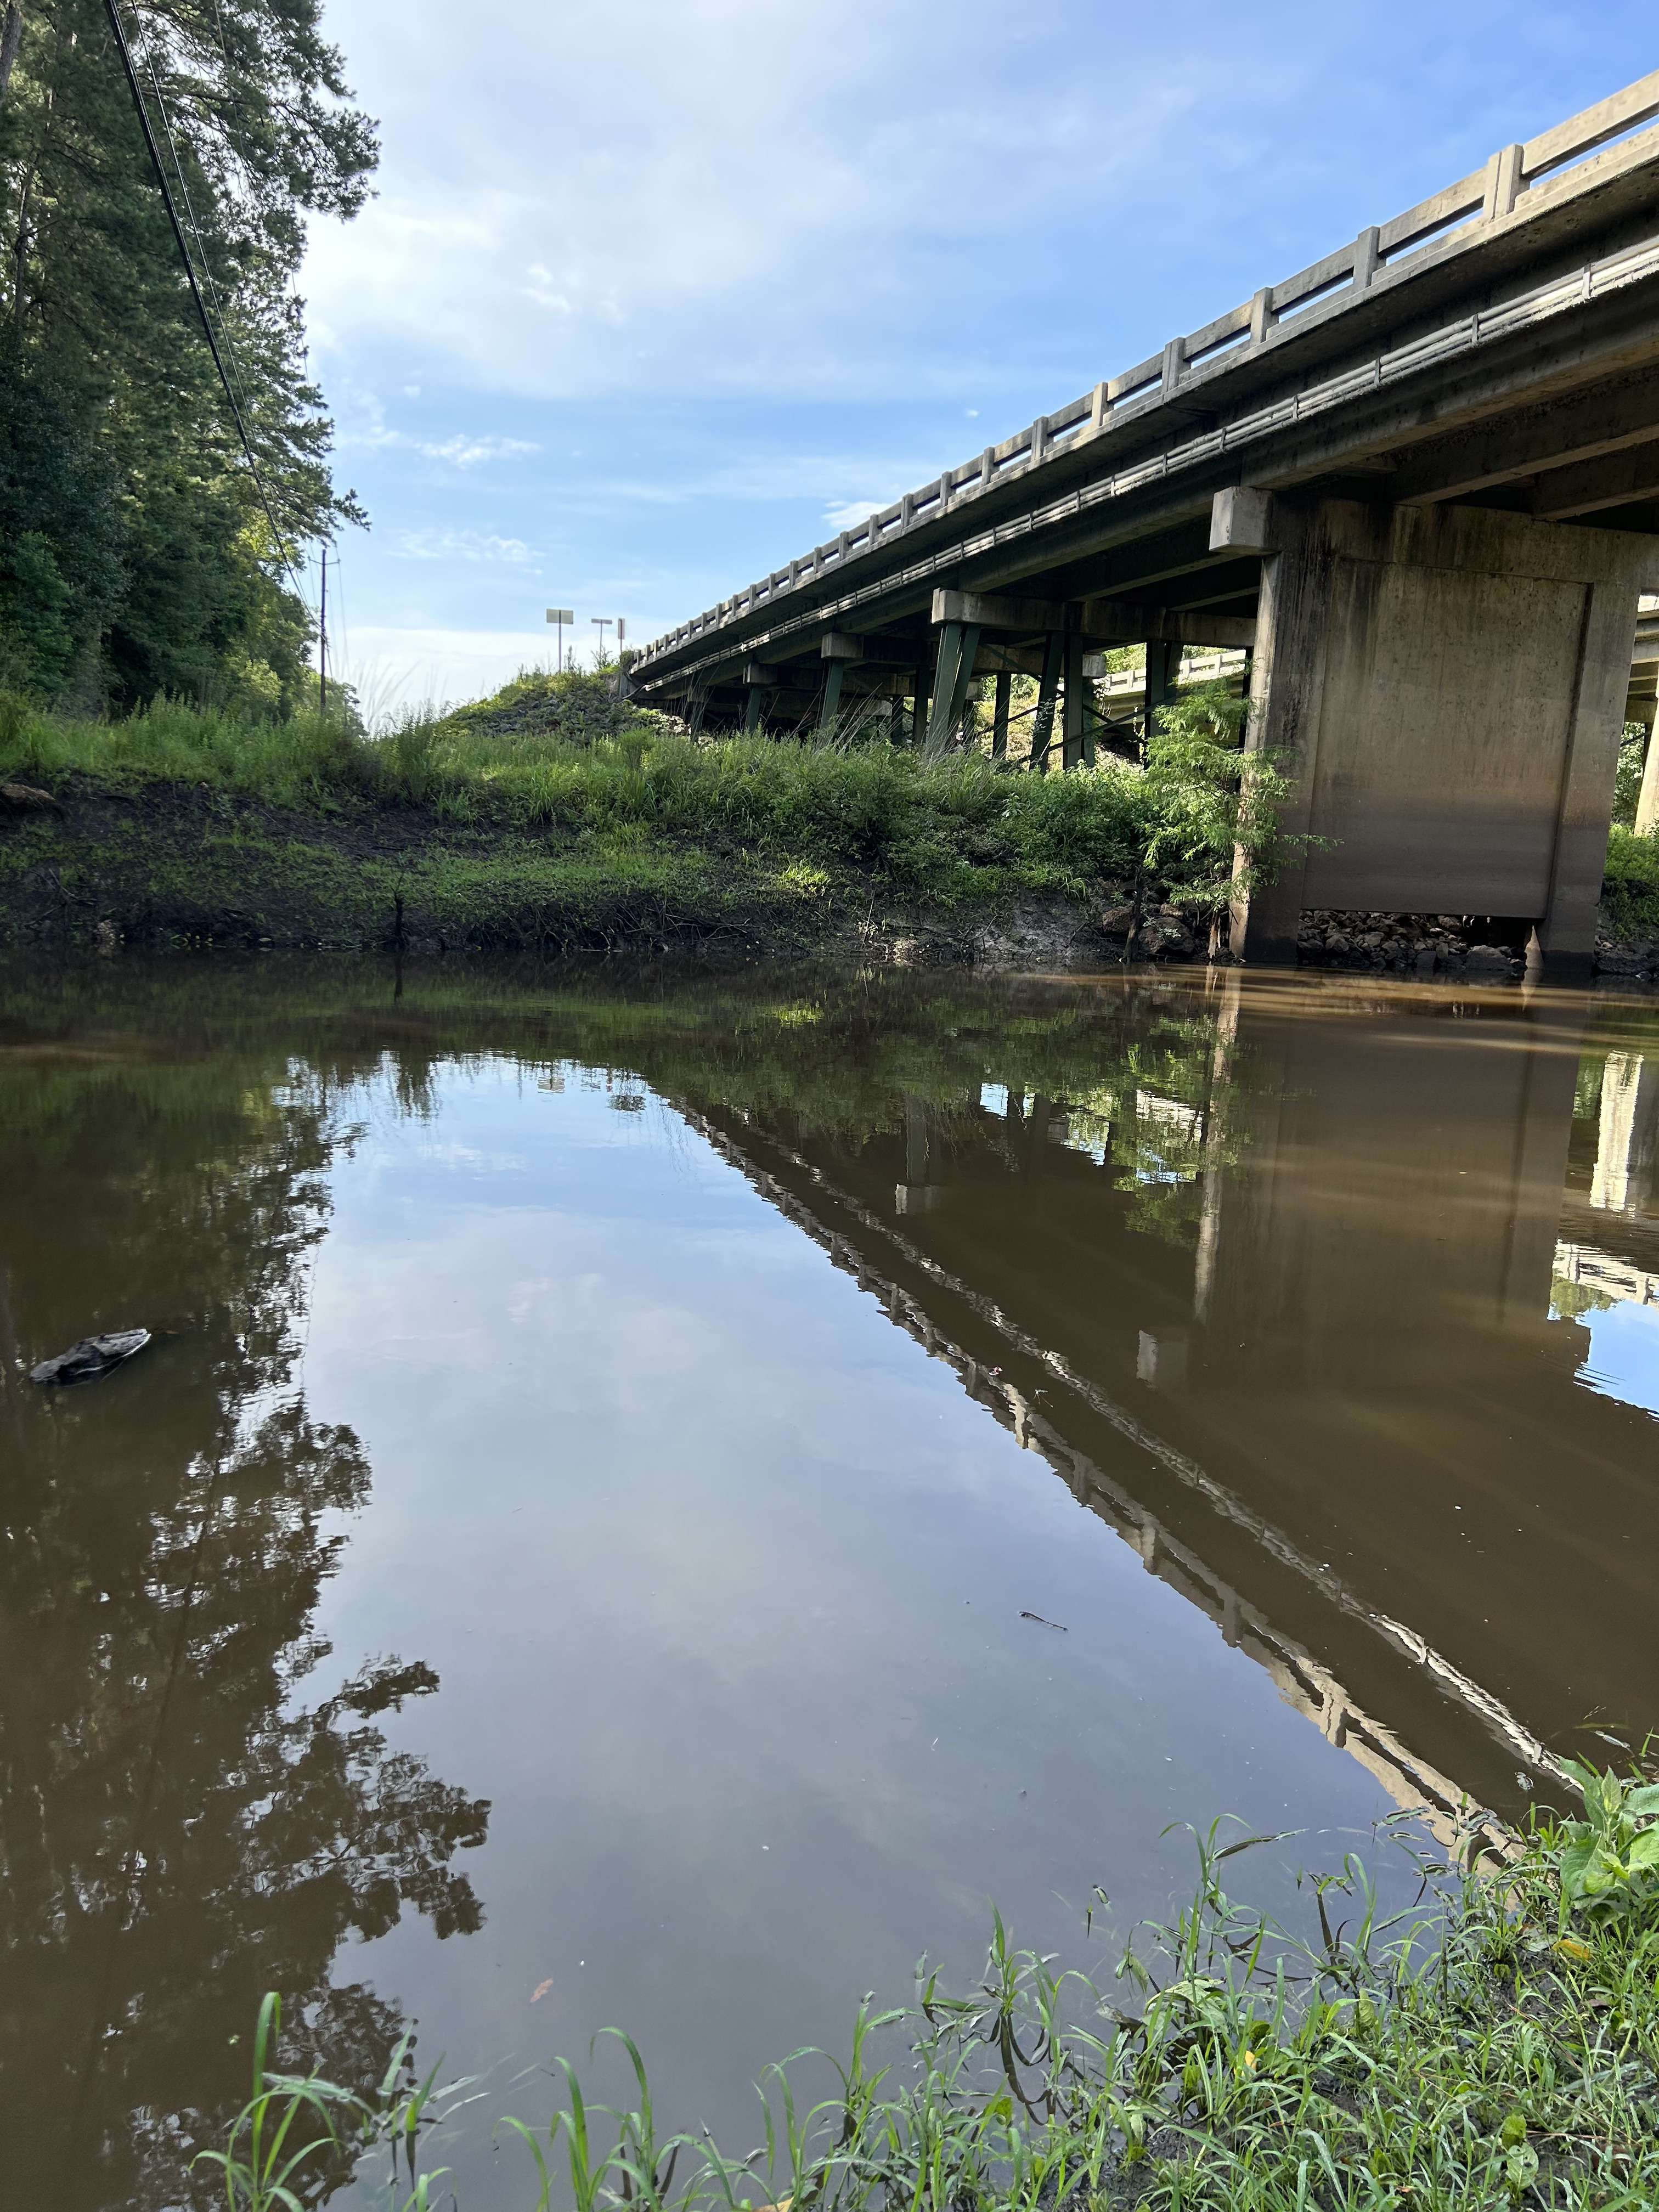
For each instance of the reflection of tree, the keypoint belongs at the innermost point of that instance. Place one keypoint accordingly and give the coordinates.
(180, 1830)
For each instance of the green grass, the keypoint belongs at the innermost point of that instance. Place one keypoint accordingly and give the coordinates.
(551, 809)
(1496, 2047)
(550, 756)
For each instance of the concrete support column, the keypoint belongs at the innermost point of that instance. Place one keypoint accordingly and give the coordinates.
(1042, 727)
(1075, 736)
(834, 673)
(1441, 689)
(1287, 676)
(1162, 666)
(1564, 939)
(999, 716)
(1647, 805)
(751, 712)
(958, 644)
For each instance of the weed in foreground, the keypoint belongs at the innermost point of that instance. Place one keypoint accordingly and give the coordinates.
(1496, 2045)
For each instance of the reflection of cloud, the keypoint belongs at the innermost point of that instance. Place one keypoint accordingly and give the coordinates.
(694, 1593)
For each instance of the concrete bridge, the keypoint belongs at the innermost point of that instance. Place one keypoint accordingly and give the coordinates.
(1418, 481)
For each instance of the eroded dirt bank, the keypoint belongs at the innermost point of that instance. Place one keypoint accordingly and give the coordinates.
(170, 866)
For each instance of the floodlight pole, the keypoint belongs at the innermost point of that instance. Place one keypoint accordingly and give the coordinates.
(602, 622)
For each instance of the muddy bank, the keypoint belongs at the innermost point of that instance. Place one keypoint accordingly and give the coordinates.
(168, 866)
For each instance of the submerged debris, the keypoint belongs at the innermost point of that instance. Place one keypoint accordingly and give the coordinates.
(92, 1357)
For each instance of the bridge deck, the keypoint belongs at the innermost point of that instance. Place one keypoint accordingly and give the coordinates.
(1367, 359)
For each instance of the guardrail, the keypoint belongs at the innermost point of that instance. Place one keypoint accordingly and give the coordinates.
(1519, 182)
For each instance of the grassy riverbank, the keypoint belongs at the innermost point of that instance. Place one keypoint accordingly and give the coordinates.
(549, 816)
(1496, 2047)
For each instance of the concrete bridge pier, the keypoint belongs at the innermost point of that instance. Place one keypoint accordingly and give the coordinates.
(1442, 687)
(1005, 683)
(1077, 739)
(1048, 698)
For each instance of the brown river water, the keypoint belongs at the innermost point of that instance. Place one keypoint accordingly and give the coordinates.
(656, 1501)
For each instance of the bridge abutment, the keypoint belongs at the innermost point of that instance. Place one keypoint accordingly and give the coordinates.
(1442, 688)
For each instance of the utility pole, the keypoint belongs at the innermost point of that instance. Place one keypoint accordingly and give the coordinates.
(602, 622)
(322, 642)
(559, 616)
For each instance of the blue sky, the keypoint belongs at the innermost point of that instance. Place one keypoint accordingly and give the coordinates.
(657, 294)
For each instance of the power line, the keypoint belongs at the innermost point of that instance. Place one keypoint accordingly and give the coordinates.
(190, 207)
(133, 86)
(242, 397)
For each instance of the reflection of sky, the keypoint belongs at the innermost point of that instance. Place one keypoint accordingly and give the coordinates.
(1624, 1355)
(723, 1577)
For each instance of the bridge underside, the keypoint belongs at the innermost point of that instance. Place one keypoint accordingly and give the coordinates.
(1427, 510)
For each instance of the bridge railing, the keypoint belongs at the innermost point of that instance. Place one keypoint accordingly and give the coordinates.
(1519, 180)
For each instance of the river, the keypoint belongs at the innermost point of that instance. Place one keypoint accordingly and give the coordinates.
(655, 1500)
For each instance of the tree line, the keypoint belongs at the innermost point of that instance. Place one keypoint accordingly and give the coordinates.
(141, 552)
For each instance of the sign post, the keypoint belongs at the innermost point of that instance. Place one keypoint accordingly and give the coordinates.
(560, 616)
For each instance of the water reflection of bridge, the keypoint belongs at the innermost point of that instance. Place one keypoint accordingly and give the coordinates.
(1336, 1415)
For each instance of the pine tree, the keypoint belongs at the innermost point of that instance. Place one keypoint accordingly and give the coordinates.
(137, 554)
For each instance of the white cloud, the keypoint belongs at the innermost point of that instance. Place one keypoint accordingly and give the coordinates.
(835, 481)
(847, 514)
(700, 196)
(466, 453)
(580, 226)
(362, 424)
(460, 545)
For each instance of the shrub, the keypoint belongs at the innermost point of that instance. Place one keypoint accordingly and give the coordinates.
(1629, 889)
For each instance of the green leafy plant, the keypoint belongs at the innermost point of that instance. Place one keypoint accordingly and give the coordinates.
(1632, 757)
(1630, 889)
(1211, 809)
(1609, 1861)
